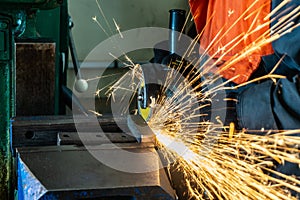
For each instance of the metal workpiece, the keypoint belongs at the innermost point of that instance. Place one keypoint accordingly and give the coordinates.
(140, 130)
(70, 172)
(51, 130)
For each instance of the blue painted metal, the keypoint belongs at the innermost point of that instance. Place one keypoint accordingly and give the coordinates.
(29, 187)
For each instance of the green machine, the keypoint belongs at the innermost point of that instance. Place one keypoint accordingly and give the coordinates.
(42, 155)
(29, 28)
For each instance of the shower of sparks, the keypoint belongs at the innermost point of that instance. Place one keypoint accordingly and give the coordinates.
(217, 163)
(236, 167)
(104, 17)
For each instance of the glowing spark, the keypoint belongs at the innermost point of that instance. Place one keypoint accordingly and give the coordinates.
(98, 23)
(97, 93)
(295, 13)
(127, 58)
(103, 76)
(118, 28)
(184, 25)
(283, 3)
(104, 17)
(230, 12)
(152, 103)
(231, 130)
(96, 113)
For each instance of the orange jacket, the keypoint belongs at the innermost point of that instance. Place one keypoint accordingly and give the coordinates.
(224, 24)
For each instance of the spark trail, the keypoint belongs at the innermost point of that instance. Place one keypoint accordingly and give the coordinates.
(216, 164)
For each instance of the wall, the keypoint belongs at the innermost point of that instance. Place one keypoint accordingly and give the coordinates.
(128, 14)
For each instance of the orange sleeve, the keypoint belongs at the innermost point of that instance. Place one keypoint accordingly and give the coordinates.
(199, 11)
(230, 26)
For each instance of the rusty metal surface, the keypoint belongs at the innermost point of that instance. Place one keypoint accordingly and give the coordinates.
(6, 102)
(53, 130)
(46, 130)
(35, 78)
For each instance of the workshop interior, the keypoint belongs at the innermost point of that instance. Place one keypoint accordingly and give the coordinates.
(41, 154)
(63, 135)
